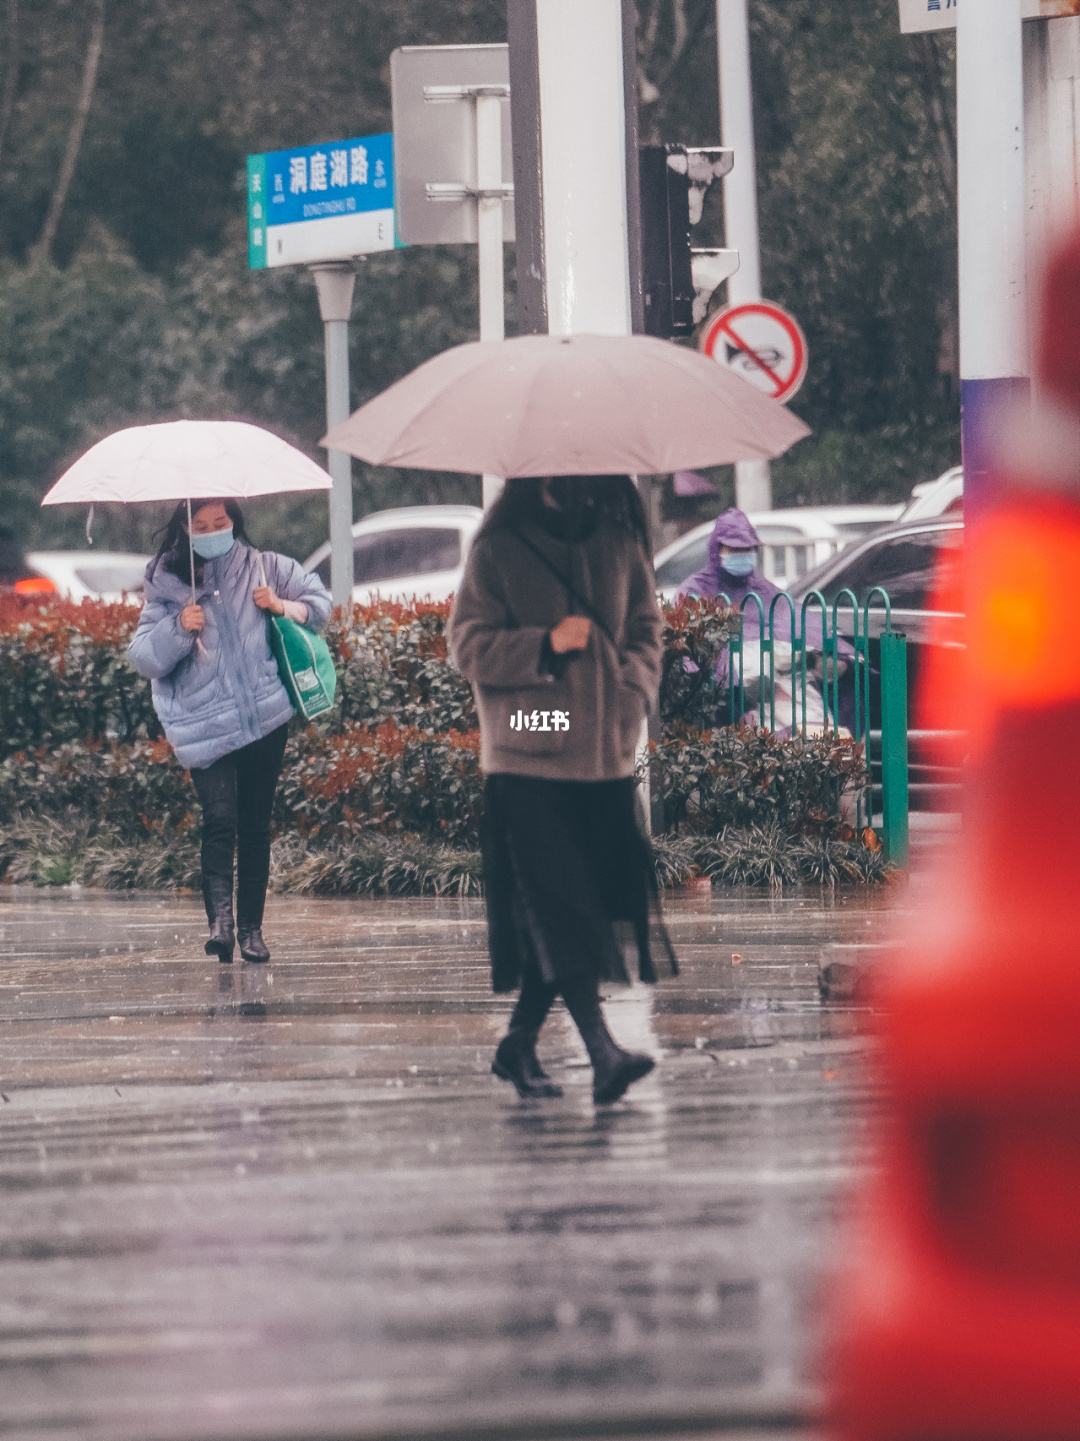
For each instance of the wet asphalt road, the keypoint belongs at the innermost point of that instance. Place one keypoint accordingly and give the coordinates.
(292, 1203)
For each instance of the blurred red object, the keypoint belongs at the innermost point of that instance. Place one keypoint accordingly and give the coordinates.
(34, 585)
(961, 1318)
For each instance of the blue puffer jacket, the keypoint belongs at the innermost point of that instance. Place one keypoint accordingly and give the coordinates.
(215, 699)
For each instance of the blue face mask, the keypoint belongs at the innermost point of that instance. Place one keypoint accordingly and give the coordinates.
(214, 543)
(740, 565)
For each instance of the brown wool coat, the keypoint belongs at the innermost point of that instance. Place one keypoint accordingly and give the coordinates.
(506, 606)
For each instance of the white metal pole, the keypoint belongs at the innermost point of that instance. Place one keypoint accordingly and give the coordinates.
(994, 361)
(489, 236)
(583, 159)
(334, 282)
(753, 479)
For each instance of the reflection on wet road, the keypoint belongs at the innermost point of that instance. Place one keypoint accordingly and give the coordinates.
(291, 1202)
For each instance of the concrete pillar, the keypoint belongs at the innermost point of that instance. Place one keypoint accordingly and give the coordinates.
(572, 165)
(994, 362)
(1052, 136)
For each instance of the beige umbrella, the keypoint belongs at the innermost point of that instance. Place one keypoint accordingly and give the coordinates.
(568, 405)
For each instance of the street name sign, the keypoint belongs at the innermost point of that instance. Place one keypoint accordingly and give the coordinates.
(762, 343)
(321, 202)
(921, 15)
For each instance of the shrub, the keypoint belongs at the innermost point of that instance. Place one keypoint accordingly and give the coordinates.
(393, 665)
(746, 776)
(695, 632)
(64, 675)
(385, 795)
(140, 788)
(389, 778)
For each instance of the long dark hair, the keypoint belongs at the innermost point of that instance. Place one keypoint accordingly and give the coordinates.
(173, 551)
(611, 500)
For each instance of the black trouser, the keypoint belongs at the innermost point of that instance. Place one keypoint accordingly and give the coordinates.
(237, 798)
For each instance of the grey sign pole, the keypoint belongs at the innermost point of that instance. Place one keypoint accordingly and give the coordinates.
(334, 283)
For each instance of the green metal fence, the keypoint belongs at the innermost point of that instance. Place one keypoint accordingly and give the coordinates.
(810, 667)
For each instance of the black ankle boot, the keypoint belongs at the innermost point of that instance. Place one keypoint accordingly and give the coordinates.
(516, 1061)
(217, 892)
(614, 1070)
(252, 945)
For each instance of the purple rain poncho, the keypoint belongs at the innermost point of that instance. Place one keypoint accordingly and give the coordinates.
(734, 530)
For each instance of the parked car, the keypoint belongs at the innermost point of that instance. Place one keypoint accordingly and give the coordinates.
(944, 496)
(793, 541)
(907, 561)
(414, 550)
(82, 574)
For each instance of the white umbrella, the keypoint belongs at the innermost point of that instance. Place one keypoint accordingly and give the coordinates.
(181, 459)
(568, 405)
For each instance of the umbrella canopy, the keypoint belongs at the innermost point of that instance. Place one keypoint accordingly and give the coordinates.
(568, 405)
(179, 459)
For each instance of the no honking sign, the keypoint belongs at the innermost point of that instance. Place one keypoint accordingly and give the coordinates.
(762, 343)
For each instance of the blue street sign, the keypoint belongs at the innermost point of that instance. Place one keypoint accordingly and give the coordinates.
(321, 202)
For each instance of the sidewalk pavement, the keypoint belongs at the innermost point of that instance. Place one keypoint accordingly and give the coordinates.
(291, 1202)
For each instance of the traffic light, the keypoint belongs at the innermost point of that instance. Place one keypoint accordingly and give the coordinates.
(677, 278)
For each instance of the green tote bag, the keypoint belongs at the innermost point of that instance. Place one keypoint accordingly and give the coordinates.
(304, 663)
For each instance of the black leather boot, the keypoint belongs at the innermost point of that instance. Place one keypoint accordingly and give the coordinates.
(217, 893)
(614, 1070)
(516, 1061)
(252, 945)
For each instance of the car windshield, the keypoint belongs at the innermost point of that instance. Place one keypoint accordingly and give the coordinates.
(685, 562)
(904, 566)
(391, 554)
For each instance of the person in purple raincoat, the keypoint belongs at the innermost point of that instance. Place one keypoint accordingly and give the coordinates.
(732, 572)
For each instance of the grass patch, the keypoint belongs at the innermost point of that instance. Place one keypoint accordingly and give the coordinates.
(74, 851)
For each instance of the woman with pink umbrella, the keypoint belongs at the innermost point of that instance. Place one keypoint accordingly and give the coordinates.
(557, 627)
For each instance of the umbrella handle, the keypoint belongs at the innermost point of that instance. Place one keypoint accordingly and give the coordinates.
(191, 561)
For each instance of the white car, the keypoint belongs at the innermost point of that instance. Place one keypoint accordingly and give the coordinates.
(84, 574)
(793, 541)
(411, 551)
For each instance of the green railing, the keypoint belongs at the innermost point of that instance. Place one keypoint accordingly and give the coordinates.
(807, 666)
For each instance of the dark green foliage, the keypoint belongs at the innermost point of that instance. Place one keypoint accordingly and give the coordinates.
(394, 667)
(745, 776)
(64, 676)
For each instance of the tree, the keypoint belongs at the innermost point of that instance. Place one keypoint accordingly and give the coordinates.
(76, 131)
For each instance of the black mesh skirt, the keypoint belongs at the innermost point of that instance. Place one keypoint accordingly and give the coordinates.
(569, 882)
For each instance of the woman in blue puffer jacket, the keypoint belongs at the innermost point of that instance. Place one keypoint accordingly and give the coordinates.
(218, 695)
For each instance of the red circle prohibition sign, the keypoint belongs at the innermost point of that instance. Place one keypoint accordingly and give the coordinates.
(728, 325)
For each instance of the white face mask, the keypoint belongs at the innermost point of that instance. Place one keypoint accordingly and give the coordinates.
(213, 543)
(740, 565)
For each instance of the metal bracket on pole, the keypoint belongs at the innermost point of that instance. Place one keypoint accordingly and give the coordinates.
(433, 94)
(449, 190)
(489, 193)
(334, 283)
